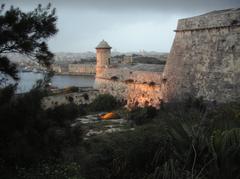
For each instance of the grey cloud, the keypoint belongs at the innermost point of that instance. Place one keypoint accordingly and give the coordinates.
(128, 25)
(141, 5)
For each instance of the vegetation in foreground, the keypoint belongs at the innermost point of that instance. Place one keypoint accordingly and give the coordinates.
(187, 140)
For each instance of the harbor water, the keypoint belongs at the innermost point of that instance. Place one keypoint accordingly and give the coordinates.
(28, 79)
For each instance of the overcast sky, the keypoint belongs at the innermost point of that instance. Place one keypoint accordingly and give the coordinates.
(128, 25)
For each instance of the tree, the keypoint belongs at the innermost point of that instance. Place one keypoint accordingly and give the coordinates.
(25, 33)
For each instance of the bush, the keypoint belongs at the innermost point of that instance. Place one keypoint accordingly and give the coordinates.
(195, 103)
(51, 170)
(122, 155)
(104, 102)
(225, 116)
(181, 142)
(30, 134)
(142, 115)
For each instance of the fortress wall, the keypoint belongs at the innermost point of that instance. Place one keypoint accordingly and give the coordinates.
(112, 87)
(222, 18)
(205, 58)
(82, 97)
(126, 74)
(144, 95)
(143, 90)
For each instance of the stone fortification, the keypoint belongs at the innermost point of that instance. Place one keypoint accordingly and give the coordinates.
(204, 62)
(135, 84)
(84, 96)
(205, 58)
(138, 85)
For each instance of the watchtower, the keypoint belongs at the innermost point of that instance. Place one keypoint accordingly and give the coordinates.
(103, 53)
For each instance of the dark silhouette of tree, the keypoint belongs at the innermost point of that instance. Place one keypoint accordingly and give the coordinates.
(26, 33)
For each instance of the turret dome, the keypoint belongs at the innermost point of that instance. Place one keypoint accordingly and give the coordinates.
(103, 44)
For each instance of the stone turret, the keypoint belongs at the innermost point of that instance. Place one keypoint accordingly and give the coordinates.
(103, 54)
(103, 57)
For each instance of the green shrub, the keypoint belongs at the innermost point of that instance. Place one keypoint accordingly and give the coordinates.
(104, 102)
(122, 155)
(196, 103)
(225, 116)
(181, 142)
(51, 170)
(30, 134)
(142, 115)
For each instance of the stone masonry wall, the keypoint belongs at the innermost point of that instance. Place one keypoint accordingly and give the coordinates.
(205, 58)
(125, 73)
(82, 97)
(136, 88)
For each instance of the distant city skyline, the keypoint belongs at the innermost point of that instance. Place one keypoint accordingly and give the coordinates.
(126, 25)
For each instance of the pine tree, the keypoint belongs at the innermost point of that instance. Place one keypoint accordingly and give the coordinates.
(25, 33)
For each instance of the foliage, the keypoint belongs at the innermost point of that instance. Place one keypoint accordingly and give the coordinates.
(7, 93)
(180, 141)
(104, 102)
(226, 148)
(121, 155)
(183, 141)
(30, 134)
(33, 141)
(142, 115)
(225, 116)
(25, 33)
(57, 169)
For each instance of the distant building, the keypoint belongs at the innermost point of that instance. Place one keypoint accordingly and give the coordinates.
(86, 69)
(56, 68)
(75, 69)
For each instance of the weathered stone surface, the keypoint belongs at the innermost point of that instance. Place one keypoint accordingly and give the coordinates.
(83, 97)
(215, 19)
(137, 88)
(205, 62)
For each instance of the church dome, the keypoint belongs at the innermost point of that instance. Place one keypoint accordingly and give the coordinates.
(103, 44)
